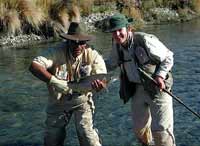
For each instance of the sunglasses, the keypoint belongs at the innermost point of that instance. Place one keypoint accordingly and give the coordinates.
(79, 42)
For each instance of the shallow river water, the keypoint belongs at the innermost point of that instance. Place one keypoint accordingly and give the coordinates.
(23, 97)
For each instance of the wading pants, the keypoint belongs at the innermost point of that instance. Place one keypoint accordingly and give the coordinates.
(55, 132)
(153, 119)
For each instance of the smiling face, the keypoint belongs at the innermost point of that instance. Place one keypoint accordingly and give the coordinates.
(120, 35)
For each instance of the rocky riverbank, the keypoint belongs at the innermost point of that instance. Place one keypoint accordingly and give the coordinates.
(94, 21)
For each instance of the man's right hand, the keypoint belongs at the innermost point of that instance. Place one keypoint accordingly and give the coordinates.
(60, 85)
(98, 85)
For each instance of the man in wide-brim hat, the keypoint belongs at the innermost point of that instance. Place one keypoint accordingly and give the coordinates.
(72, 60)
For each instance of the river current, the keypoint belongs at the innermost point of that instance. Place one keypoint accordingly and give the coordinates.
(23, 97)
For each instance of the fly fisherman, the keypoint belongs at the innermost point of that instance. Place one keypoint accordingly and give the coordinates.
(152, 109)
(72, 60)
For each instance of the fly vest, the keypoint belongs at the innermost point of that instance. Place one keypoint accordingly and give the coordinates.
(149, 65)
(142, 57)
(79, 68)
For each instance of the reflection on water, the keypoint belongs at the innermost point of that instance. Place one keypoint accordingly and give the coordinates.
(23, 97)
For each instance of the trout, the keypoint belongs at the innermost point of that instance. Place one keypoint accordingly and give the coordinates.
(83, 85)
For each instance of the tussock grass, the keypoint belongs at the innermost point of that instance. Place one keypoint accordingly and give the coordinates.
(74, 13)
(17, 15)
(30, 13)
(45, 5)
(58, 13)
(12, 22)
(2, 11)
(38, 16)
(9, 18)
(61, 14)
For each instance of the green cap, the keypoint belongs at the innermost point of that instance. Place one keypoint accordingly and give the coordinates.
(118, 21)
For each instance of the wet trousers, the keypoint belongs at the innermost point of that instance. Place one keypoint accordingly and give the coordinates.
(152, 118)
(55, 132)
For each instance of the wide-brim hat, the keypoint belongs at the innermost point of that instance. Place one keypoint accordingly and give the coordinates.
(75, 33)
(118, 21)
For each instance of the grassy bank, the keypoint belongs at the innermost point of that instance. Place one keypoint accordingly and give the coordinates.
(44, 17)
(50, 17)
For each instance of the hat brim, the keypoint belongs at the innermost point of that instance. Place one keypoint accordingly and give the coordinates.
(77, 37)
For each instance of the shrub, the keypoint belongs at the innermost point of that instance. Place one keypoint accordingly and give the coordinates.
(146, 5)
(196, 5)
(86, 6)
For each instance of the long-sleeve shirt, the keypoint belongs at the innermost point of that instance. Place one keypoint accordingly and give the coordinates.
(60, 64)
(158, 51)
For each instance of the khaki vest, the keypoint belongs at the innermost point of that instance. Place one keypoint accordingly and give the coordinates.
(140, 53)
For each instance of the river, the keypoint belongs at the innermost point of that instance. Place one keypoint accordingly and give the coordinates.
(23, 97)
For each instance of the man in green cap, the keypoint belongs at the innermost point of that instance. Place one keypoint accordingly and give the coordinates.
(152, 109)
(69, 62)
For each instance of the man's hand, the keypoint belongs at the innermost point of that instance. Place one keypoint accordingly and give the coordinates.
(98, 85)
(160, 82)
(60, 85)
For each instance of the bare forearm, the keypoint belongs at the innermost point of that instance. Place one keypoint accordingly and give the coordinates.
(40, 72)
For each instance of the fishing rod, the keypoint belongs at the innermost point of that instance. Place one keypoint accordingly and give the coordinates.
(173, 96)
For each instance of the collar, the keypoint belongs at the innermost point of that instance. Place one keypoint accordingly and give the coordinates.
(129, 42)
